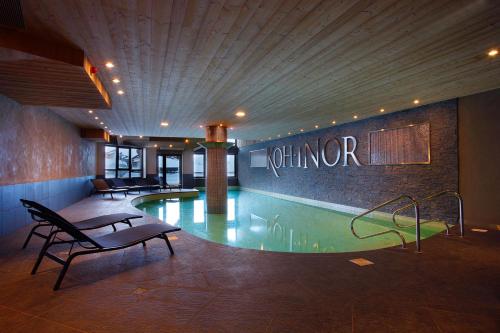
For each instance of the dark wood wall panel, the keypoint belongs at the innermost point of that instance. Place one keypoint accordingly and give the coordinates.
(405, 145)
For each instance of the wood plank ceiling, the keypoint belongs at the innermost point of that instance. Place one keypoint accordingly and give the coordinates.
(288, 64)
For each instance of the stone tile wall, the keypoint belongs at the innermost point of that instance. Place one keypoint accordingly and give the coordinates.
(368, 185)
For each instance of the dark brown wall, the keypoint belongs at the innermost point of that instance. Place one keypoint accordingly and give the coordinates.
(38, 145)
(479, 157)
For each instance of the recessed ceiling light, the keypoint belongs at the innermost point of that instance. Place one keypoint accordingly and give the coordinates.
(382, 110)
(96, 117)
(186, 141)
(355, 117)
(164, 124)
(101, 123)
(156, 145)
(105, 126)
(109, 64)
(90, 111)
(201, 126)
(120, 92)
(116, 80)
(140, 136)
(416, 101)
(289, 133)
(334, 122)
(220, 125)
(493, 52)
(240, 114)
(316, 126)
(121, 136)
(302, 130)
(170, 146)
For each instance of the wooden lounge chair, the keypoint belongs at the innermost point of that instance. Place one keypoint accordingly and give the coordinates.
(109, 242)
(89, 224)
(101, 187)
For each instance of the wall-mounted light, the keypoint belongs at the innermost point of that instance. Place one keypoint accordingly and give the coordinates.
(110, 65)
(116, 80)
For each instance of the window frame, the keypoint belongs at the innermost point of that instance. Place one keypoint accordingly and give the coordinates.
(117, 168)
(202, 153)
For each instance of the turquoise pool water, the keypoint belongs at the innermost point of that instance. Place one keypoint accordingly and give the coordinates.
(261, 222)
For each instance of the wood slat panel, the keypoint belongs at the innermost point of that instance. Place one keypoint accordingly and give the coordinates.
(290, 64)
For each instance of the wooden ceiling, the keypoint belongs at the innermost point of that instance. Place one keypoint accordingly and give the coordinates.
(288, 64)
(37, 72)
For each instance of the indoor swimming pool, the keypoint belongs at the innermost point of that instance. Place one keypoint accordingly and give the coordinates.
(261, 222)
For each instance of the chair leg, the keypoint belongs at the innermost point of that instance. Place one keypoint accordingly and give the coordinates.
(114, 228)
(112, 196)
(168, 244)
(143, 244)
(29, 235)
(63, 271)
(44, 249)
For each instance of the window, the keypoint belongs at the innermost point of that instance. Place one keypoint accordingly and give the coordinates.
(198, 165)
(122, 162)
(231, 166)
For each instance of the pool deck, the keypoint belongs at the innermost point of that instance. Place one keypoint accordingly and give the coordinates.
(453, 286)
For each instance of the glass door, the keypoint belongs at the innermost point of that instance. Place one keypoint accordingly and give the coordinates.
(170, 169)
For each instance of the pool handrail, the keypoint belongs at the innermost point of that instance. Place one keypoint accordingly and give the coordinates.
(460, 217)
(388, 202)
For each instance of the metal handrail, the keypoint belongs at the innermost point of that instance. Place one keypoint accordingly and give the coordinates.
(403, 241)
(460, 217)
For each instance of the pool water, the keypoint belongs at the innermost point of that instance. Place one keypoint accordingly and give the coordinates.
(261, 222)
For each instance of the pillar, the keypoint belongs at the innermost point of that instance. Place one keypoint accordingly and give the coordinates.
(216, 165)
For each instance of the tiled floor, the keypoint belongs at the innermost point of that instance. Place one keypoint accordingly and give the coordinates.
(452, 287)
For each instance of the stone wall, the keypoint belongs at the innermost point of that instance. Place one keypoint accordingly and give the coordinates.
(367, 185)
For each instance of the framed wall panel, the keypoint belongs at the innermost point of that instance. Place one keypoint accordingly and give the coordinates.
(258, 158)
(400, 146)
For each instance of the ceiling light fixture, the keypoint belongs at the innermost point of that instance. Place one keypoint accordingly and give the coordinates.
(116, 80)
(201, 126)
(105, 126)
(302, 130)
(164, 124)
(120, 92)
(240, 114)
(121, 136)
(109, 64)
(90, 111)
(316, 126)
(355, 117)
(170, 146)
(140, 136)
(156, 145)
(289, 133)
(186, 141)
(416, 101)
(96, 117)
(334, 122)
(493, 52)
(101, 123)
(382, 110)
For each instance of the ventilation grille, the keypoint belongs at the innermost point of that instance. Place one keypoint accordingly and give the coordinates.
(11, 14)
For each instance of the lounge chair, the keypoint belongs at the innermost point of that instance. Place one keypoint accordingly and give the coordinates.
(147, 183)
(118, 183)
(171, 187)
(109, 242)
(101, 187)
(89, 224)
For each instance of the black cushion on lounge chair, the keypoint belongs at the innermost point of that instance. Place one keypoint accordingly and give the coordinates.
(114, 241)
(88, 224)
(119, 183)
(102, 187)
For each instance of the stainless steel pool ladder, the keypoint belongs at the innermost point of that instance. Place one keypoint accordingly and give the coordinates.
(413, 203)
(460, 217)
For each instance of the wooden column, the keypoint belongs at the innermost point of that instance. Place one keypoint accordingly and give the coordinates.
(216, 169)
